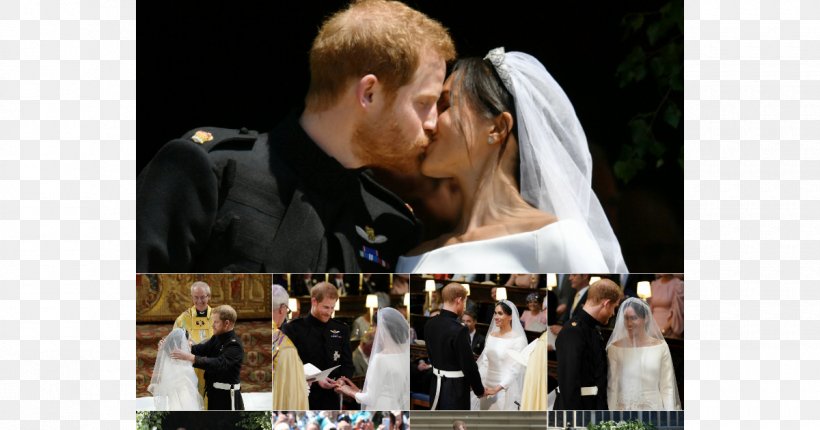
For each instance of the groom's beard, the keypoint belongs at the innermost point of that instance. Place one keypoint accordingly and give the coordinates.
(384, 145)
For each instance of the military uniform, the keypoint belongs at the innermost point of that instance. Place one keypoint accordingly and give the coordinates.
(324, 345)
(448, 345)
(222, 200)
(199, 327)
(221, 357)
(582, 364)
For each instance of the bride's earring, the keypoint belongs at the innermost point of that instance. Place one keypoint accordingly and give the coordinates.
(490, 140)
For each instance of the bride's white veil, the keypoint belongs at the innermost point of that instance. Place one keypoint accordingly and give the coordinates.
(392, 337)
(517, 328)
(621, 334)
(631, 334)
(517, 331)
(556, 165)
(173, 382)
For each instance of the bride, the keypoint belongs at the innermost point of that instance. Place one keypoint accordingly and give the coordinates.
(502, 376)
(641, 376)
(509, 137)
(174, 383)
(387, 382)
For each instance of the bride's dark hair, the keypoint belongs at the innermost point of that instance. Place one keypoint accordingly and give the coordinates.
(640, 310)
(477, 86)
(504, 308)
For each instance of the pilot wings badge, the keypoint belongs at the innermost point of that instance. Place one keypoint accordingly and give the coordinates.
(367, 233)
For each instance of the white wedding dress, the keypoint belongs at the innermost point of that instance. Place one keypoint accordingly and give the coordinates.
(387, 382)
(641, 375)
(641, 379)
(390, 389)
(496, 367)
(565, 246)
(174, 384)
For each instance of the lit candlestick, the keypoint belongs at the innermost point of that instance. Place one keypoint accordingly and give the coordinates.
(552, 280)
(407, 304)
(429, 287)
(644, 290)
(371, 302)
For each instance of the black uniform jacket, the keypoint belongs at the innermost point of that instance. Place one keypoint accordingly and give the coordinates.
(448, 345)
(582, 362)
(478, 343)
(256, 203)
(324, 345)
(221, 357)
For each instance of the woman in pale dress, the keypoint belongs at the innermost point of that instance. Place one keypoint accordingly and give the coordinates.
(173, 382)
(641, 375)
(502, 376)
(667, 304)
(534, 318)
(387, 382)
(509, 137)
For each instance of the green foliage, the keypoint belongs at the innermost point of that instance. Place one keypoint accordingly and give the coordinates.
(623, 425)
(150, 420)
(255, 421)
(653, 65)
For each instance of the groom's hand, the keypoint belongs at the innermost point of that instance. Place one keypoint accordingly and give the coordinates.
(182, 355)
(327, 384)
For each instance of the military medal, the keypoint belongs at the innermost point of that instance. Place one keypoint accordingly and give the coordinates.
(336, 356)
(371, 254)
(367, 233)
(202, 136)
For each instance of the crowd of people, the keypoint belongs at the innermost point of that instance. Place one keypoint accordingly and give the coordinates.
(341, 420)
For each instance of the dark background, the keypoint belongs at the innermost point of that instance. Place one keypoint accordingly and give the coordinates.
(244, 64)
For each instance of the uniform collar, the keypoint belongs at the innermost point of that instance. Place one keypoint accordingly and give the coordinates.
(224, 337)
(448, 314)
(314, 321)
(583, 315)
(317, 169)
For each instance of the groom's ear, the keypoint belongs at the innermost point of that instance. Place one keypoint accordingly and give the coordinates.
(366, 89)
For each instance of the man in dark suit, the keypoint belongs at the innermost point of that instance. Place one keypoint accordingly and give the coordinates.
(448, 346)
(476, 338)
(324, 343)
(299, 198)
(345, 284)
(579, 283)
(221, 357)
(581, 351)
